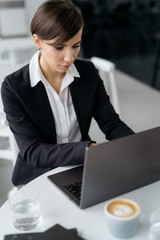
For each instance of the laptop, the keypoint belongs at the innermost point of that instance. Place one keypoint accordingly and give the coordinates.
(112, 168)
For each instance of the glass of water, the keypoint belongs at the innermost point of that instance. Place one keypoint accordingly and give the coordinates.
(154, 230)
(25, 208)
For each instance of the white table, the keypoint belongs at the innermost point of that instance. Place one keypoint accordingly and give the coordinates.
(90, 222)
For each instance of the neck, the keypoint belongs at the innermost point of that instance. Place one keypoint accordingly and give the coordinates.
(53, 77)
(48, 72)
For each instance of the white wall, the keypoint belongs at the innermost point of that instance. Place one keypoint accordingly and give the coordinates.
(32, 6)
(15, 20)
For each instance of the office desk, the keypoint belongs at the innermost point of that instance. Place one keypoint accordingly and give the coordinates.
(90, 222)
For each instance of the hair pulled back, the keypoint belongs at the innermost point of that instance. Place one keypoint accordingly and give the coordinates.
(59, 19)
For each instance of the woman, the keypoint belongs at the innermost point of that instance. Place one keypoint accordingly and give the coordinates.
(50, 102)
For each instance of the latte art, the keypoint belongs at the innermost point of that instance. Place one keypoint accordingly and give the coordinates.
(122, 208)
(122, 217)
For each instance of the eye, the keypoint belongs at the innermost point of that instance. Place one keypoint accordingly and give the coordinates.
(58, 48)
(76, 46)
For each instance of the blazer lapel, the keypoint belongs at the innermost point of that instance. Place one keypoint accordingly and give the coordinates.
(40, 110)
(48, 115)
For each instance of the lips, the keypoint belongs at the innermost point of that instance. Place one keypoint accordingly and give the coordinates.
(66, 66)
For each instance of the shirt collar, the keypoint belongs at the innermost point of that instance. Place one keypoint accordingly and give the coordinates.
(36, 74)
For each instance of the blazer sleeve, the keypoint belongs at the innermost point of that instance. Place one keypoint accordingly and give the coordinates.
(36, 151)
(104, 113)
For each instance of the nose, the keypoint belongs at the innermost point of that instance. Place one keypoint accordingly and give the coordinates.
(69, 55)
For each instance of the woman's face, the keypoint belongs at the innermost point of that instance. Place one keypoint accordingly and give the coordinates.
(59, 57)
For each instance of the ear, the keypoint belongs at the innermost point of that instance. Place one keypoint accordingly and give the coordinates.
(36, 40)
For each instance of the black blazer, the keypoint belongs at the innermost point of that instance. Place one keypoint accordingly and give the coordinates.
(30, 118)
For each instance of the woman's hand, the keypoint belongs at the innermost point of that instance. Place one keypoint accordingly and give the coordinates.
(92, 144)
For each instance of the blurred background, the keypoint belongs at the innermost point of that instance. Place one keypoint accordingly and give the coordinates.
(124, 32)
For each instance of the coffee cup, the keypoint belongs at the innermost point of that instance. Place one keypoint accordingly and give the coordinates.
(122, 216)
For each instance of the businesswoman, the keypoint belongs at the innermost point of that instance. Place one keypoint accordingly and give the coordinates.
(50, 102)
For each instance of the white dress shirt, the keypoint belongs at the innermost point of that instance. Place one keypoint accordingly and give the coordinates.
(66, 123)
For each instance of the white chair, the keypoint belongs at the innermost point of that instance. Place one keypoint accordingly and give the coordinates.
(106, 71)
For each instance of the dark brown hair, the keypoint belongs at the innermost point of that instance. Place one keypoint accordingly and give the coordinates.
(59, 19)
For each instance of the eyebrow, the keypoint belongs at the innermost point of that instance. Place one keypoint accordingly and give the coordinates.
(78, 42)
(61, 44)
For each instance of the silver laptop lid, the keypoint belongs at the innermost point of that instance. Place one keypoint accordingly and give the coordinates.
(117, 167)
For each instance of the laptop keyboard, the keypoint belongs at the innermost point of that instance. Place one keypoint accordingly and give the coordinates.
(75, 189)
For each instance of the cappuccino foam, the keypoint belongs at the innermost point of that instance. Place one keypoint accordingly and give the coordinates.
(122, 208)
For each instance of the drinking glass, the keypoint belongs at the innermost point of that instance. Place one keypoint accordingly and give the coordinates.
(154, 230)
(25, 208)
